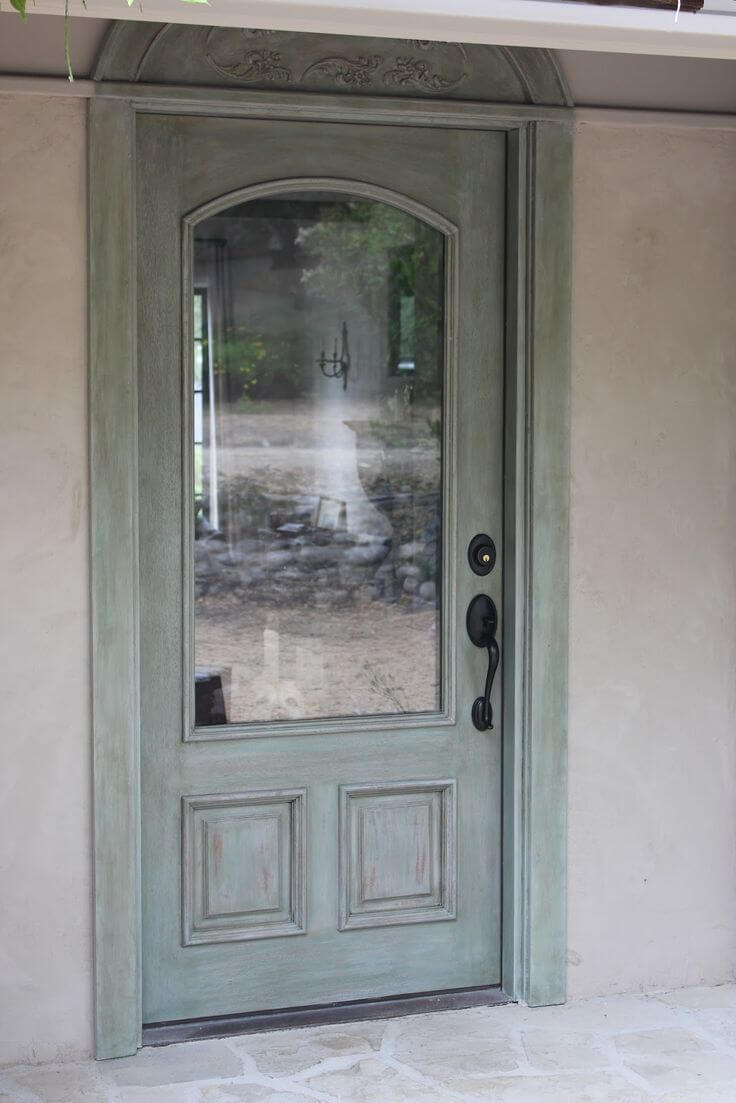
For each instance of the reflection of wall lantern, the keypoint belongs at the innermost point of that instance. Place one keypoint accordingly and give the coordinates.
(337, 367)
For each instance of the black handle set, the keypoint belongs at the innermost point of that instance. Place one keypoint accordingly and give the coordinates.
(482, 624)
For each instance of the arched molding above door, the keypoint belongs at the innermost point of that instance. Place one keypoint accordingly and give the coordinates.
(231, 57)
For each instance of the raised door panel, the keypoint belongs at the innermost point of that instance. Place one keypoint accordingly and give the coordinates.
(397, 853)
(243, 859)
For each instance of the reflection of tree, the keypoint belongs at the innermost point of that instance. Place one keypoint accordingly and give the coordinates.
(257, 365)
(360, 249)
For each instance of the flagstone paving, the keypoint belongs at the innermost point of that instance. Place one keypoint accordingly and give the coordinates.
(675, 1047)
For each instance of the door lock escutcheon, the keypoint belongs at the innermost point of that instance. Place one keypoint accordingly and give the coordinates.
(482, 624)
(481, 554)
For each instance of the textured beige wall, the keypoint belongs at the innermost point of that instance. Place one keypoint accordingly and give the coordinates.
(45, 909)
(652, 820)
(653, 648)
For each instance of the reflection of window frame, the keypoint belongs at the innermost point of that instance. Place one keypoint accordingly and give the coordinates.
(408, 348)
(206, 393)
(397, 337)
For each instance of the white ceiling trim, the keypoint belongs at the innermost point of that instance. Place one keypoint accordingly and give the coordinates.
(551, 23)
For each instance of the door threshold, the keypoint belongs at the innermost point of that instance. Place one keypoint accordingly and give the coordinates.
(389, 1007)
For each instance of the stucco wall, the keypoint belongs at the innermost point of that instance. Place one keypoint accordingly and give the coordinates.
(653, 618)
(45, 884)
(652, 806)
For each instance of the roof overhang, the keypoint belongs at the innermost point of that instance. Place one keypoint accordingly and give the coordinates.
(556, 24)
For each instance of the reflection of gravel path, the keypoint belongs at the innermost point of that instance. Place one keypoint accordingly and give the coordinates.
(286, 444)
(355, 659)
(285, 470)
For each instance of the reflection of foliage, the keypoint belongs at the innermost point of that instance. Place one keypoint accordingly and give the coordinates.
(253, 365)
(353, 245)
(363, 249)
(386, 686)
(248, 506)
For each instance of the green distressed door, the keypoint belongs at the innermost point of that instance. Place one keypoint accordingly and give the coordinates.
(320, 349)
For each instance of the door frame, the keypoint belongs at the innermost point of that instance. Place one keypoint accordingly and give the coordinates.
(536, 491)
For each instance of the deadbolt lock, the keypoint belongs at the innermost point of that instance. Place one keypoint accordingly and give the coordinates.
(481, 554)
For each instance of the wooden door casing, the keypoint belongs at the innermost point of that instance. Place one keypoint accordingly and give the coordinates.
(537, 391)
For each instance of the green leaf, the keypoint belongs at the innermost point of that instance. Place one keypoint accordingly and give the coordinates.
(196, 1)
(20, 7)
(67, 51)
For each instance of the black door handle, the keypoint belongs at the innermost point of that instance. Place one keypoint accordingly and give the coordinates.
(481, 622)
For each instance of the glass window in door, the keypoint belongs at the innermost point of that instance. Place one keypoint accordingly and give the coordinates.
(318, 363)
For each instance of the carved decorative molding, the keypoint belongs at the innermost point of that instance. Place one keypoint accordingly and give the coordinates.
(255, 66)
(355, 72)
(365, 71)
(414, 72)
(289, 61)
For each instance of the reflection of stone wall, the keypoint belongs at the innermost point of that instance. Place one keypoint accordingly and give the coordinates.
(280, 551)
(322, 501)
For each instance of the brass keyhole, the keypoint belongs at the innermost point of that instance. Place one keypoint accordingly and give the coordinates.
(481, 554)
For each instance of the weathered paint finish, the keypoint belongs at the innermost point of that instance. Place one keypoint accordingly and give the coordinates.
(398, 853)
(113, 464)
(185, 164)
(243, 866)
(533, 933)
(536, 592)
(544, 769)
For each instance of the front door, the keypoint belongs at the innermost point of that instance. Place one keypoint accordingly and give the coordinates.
(321, 344)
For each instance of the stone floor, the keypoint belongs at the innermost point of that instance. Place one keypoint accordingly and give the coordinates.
(677, 1047)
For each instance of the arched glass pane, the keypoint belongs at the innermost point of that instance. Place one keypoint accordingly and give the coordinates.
(318, 352)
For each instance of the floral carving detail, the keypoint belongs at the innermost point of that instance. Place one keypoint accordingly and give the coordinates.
(354, 72)
(253, 60)
(414, 72)
(254, 66)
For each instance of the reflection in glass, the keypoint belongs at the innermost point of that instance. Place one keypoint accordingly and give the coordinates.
(318, 355)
